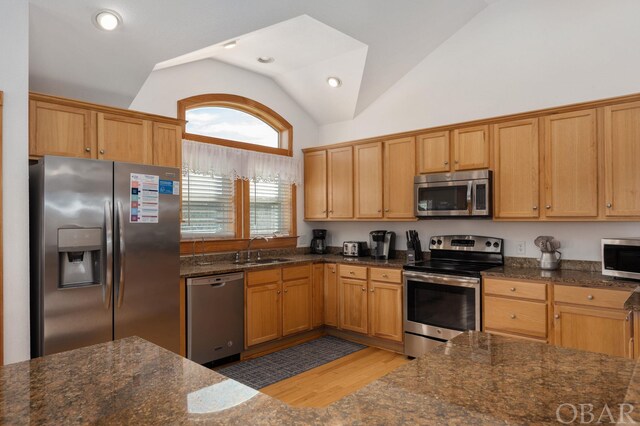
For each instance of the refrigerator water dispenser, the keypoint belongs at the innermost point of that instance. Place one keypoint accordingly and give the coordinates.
(79, 254)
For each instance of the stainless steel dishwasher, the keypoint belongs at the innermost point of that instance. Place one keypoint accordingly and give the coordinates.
(215, 317)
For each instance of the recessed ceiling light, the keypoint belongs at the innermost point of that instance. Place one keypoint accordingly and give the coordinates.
(334, 82)
(107, 20)
(265, 59)
(230, 45)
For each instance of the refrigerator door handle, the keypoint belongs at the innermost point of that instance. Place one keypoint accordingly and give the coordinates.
(122, 256)
(107, 289)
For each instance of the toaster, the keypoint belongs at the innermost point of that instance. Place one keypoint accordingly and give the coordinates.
(354, 248)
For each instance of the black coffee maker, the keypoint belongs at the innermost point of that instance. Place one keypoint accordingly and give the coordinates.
(318, 243)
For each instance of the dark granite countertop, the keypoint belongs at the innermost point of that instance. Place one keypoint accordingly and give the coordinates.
(474, 379)
(222, 267)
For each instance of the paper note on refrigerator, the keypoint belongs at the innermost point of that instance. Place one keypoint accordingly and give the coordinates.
(145, 201)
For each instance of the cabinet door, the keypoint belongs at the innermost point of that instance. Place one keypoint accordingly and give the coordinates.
(471, 148)
(353, 305)
(385, 310)
(622, 159)
(317, 295)
(368, 180)
(594, 329)
(264, 313)
(61, 130)
(124, 139)
(315, 185)
(433, 152)
(296, 306)
(167, 145)
(516, 169)
(330, 295)
(340, 177)
(571, 164)
(399, 172)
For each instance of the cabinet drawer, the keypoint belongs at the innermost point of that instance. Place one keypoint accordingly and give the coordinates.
(264, 277)
(515, 316)
(602, 298)
(350, 271)
(296, 272)
(386, 275)
(518, 289)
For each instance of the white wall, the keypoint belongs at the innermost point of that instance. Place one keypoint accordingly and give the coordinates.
(163, 88)
(14, 76)
(514, 56)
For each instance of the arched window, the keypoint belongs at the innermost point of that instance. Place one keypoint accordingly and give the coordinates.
(237, 122)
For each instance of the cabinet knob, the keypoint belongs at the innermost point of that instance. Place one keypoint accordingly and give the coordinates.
(102, 151)
(330, 211)
(548, 206)
(87, 149)
(371, 290)
(513, 316)
(364, 289)
(590, 297)
(456, 161)
(324, 211)
(333, 271)
(608, 205)
(556, 316)
(379, 211)
(286, 291)
(535, 207)
(512, 289)
(278, 292)
(385, 276)
(386, 210)
(351, 273)
(446, 163)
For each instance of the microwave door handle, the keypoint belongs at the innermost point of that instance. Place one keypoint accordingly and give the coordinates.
(469, 204)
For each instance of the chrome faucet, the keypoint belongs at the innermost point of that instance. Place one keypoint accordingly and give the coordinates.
(250, 242)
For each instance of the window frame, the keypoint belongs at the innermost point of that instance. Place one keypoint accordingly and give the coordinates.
(189, 246)
(240, 103)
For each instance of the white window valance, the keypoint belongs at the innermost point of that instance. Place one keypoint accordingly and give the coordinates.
(235, 163)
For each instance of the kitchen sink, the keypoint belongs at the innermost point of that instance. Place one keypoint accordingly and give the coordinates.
(266, 261)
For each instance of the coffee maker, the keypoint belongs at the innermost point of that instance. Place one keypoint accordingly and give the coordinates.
(318, 243)
(382, 244)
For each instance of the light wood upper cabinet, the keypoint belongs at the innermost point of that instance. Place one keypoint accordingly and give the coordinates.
(264, 313)
(340, 182)
(122, 138)
(61, 130)
(571, 164)
(385, 310)
(353, 304)
(317, 295)
(368, 180)
(331, 294)
(471, 148)
(296, 306)
(315, 185)
(622, 159)
(516, 169)
(399, 172)
(167, 145)
(433, 152)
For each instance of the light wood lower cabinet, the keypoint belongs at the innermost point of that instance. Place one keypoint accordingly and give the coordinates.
(385, 310)
(296, 306)
(331, 294)
(317, 295)
(594, 329)
(264, 313)
(353, 305)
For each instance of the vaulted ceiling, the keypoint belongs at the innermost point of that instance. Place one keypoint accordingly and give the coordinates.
(369, 44)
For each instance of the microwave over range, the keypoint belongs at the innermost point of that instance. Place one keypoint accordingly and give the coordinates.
(451, 195)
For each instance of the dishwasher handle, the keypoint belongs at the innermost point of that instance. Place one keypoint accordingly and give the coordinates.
(215, 280)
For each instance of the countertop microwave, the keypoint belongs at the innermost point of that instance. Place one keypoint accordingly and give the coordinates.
(457, 194)
(621, 257)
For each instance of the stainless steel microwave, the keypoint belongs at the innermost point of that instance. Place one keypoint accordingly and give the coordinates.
(621, 257)
(458, 194)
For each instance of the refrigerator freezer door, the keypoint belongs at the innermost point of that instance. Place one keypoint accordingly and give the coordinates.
(147, 254)
(70, 293)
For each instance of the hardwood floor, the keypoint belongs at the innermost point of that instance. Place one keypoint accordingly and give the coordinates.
(328, 383)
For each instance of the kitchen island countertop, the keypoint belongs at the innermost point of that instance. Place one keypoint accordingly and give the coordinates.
(474, 379)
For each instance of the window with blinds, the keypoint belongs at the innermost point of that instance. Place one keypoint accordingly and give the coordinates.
(208, 206)
(270, 208)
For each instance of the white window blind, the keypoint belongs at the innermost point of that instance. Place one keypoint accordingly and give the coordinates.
(270, 208)
(208, 206)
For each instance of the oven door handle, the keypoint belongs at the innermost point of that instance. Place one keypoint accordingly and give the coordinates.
(442, 279)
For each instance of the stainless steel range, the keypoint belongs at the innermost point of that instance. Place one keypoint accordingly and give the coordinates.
(442, 295)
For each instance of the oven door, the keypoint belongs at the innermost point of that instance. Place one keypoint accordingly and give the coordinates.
(621, 258)
(440, 306)
(452, 198)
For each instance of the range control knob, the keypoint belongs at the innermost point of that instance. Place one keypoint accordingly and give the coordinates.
(496, 245)
(433, 242)
(439, 242)
(488, 244)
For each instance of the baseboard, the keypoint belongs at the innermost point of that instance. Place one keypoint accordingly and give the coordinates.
(366, 340)
(283, 343)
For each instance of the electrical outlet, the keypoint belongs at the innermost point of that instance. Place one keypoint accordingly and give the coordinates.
(521, 248)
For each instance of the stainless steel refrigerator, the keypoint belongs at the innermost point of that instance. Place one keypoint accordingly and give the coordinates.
(105, 253)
